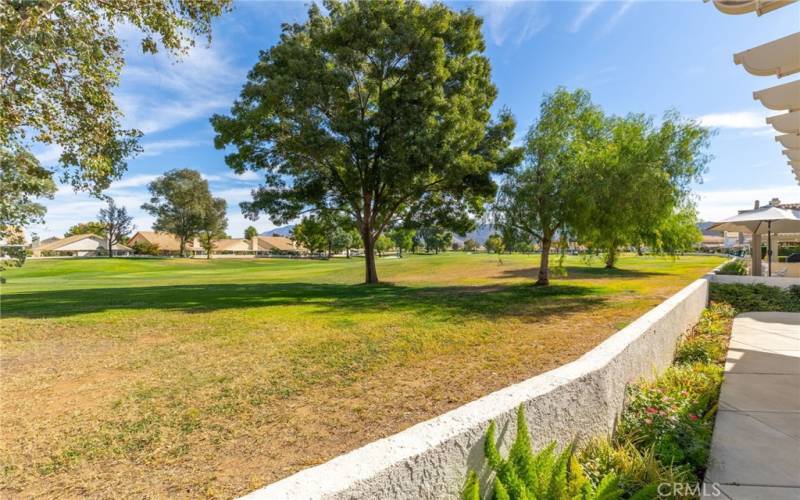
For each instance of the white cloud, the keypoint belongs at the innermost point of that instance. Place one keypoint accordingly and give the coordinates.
(513, 20)
(235, 195)
(586, 12)
(135, 181)
(47, 154)
(738, 120)
(619, 14)
(159, 93)
(247, 176)
(155, 148)
(717, 205)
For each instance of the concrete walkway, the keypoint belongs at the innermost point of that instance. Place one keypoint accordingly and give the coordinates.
(755, 451)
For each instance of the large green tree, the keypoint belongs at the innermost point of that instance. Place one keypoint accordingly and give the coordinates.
(179, 200)
(635, 182)
(373, 108)
(538, 199)
(402, 238)
(59, 64)
(311, 233)
(22, 180)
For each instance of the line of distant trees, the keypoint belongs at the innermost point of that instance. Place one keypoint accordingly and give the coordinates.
(378, 130)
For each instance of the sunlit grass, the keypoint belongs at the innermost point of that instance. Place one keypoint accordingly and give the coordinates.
(192, 377)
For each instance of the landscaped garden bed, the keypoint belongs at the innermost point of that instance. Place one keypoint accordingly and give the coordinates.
(163, 377)
(660, 448)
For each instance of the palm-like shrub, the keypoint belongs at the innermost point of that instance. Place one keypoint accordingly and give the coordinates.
(546, 475)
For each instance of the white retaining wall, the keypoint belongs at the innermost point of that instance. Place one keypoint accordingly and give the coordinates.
(753, 280)
(579, 400)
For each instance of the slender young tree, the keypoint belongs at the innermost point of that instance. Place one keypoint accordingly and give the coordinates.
(374, 109)
(403, 239)
(250, 233)
(179, 200)
(116, 224)
(213, 224)
(538, 198)
(494, 244)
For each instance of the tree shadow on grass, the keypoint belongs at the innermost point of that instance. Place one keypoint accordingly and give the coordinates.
(435, 302)
(580, 273)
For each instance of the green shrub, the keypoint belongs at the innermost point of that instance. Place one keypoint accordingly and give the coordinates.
(674, 415)
(526, 475)
(715, 319)
(636, 470)
(708, 341)
(700, 350)
(145, 248)
(756, 297)
(734, 267)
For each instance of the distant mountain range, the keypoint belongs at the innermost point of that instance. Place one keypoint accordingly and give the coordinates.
(703, 227)
(279, 231)
(481, 234)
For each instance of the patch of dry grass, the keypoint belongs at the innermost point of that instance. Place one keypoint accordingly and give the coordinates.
(192, 378)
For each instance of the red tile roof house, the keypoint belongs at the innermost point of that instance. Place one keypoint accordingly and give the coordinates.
(79, 245)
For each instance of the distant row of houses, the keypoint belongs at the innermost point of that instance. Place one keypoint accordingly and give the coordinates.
(166, 244)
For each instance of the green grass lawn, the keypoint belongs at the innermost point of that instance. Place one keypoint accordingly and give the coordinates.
(180, 377)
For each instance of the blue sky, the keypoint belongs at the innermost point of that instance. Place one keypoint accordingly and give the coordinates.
(634, 56)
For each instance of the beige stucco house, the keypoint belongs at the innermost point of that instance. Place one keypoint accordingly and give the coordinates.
(258, 245)
(79, 245)
(168, 244)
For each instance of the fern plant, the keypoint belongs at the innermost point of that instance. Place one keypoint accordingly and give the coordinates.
(546, 475)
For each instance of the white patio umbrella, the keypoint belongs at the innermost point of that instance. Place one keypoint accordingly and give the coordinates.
(764, 220)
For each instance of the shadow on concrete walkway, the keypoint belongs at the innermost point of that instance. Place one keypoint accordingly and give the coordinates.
(755, 451)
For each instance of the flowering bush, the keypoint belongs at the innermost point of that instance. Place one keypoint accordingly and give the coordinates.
(674, 415)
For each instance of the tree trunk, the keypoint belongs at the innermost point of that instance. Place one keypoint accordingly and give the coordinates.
(110, 248)
(371, 271)
(544, 263)
(182, 249)
(611, 257)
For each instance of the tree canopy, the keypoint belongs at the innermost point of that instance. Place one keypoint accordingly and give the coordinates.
(311, 233)
(604, 181)
(537, 199)
(23, 180)
(181, 202)
(250, 232)
(117, 224)
(59, 64)
(91, 227)
(376, 109)
(213, 223)
(634, 184)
